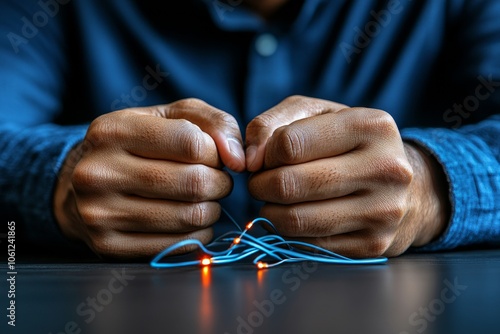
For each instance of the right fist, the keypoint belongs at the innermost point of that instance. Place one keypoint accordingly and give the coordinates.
(149, 177)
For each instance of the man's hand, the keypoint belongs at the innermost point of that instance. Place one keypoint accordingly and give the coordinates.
(343, 179)
(149, 177)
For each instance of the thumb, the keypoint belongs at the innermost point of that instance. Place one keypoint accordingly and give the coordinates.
(292, 109)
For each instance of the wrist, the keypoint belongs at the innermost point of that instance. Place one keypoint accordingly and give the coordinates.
(64, 200)
(430, 195)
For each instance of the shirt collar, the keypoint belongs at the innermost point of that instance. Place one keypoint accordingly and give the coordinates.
(234, 16)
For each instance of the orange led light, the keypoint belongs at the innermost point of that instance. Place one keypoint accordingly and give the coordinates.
(206, 261)
(249, 225)
(236, 241)
(261, 265)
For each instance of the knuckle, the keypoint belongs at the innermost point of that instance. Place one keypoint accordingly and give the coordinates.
(191, 141)
(394, 170)
(258, 122)
(92, 218)
(290, 144)
(393, 214)
(104, 245)
(103, 128)
(77, 153)
(190, 104)
(224, 118)
(384, 124)
(294, 222)
(402, 172)
(377, 245)
(375, 122)
(199, 215)
(85, 176)
(287, 188)
(390, 213)
(198, 185)
(262, 121)
(293, 99)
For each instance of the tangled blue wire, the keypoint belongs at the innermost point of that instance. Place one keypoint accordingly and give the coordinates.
(267, 251)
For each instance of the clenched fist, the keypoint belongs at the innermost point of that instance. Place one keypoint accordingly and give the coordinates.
(343, 179)
(149, 177)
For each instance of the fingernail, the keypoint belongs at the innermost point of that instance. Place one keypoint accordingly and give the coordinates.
(236, 149)
(251, 154)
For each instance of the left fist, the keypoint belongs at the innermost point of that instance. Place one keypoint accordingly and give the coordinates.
(343, 179)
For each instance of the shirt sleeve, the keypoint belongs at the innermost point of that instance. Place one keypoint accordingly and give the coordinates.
(470, 154)
(32, 146)
(470, 157)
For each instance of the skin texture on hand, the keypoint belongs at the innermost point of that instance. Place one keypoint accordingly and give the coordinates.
(343, 179)
(331, 175)
(149, 177)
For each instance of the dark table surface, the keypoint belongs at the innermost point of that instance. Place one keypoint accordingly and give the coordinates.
(453, 292)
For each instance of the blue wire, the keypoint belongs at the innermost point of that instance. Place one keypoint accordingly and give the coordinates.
(271, 247)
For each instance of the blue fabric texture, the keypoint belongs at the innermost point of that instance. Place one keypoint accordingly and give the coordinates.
(433, 65)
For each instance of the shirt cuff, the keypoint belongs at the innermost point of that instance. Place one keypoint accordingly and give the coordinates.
(44, 148)
(466, 163)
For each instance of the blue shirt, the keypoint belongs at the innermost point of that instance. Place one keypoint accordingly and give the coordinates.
(433, 65)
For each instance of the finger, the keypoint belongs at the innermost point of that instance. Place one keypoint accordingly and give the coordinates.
(142, 245)
(260, 129)
(152, 179)
(135, 214)
(148, 136)
(354, 245)
(312, 181)
(221, 126)
(328, 135)
(323, 218)
(380, 213)
(174, 181)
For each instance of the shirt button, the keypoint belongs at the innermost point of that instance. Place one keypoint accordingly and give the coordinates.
(266, 45)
